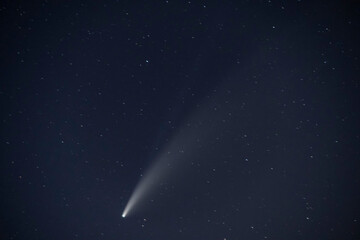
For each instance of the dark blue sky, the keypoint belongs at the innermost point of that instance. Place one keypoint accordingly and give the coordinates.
(258, 101)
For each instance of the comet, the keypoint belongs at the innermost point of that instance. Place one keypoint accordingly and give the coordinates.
(205, 124)
(150, 180)
(168, 164)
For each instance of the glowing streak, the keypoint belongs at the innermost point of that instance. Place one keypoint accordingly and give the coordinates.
(167, 161)
(151, 179)
(171, 159)
(185, 139)
(202, 125)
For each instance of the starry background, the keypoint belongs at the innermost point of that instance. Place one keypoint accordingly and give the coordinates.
(93, 91)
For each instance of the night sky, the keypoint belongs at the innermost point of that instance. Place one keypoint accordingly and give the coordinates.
(241, 118)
